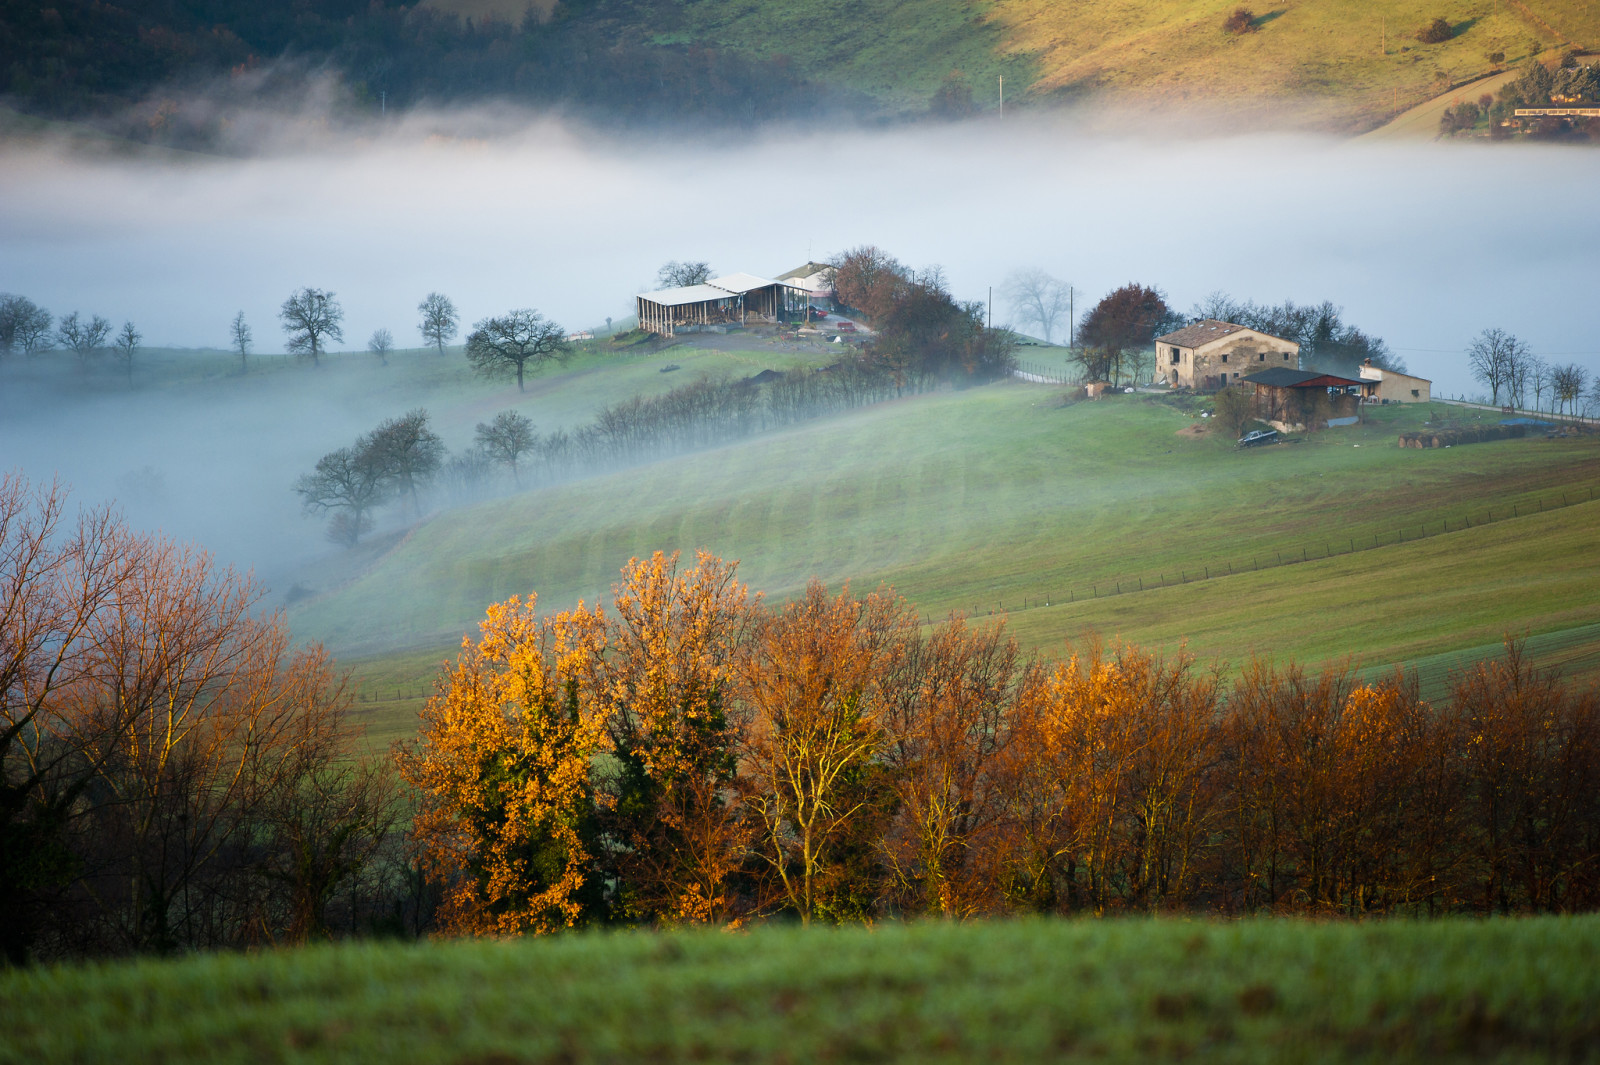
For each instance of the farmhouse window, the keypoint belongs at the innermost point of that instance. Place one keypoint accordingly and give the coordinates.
(1417, 393)
(1286, 356)
(1224, 357)
(1261, 357)
(1174, 356)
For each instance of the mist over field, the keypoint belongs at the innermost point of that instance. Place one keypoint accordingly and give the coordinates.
(1422, 245)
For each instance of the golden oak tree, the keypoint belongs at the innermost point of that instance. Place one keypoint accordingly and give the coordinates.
(664, 685)
(503, 764)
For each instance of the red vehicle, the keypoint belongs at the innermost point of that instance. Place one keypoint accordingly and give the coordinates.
(846, 327)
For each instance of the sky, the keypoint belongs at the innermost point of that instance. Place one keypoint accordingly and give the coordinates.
(1422, 244)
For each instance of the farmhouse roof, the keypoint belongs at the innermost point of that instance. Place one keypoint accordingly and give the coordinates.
(677, 297)
(807, 270)
(1205, 331)
(1283, 377)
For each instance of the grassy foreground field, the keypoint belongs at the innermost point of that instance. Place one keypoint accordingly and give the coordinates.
(1025, 991)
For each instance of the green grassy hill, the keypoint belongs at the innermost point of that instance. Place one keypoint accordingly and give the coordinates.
(1330, 63)
(1025, 991)
(1068, 520)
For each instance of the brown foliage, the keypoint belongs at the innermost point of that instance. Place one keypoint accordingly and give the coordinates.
(1125, 320)
(1242, 20)
(1436, 32)
(868, 279)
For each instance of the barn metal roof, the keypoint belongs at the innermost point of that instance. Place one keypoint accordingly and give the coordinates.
(1283, 377)
(677, 297)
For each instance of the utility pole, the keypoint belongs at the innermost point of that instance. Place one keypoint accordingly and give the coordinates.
(1072, 320)
(1383, 34)
(991, 307)
(1002, 97)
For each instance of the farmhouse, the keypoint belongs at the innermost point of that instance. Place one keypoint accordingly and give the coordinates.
(1396, 387)
(815, 279)
(1291, 400)
(719, 303)
(1208, 354)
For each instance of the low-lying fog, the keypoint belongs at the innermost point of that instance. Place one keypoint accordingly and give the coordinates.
(1424, 245)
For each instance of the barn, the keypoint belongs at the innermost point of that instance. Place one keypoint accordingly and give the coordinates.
(718, 303)
(1293, 400)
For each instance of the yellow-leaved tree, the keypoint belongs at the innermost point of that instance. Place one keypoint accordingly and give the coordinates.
(503, 764)
(673, 814)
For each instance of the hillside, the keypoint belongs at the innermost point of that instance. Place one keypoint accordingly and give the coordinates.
(1022, 991)
(1068, 520)
(1327, 64)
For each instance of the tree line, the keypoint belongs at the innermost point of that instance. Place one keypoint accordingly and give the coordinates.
(175, 773)
(1508, 368)
(694, 755)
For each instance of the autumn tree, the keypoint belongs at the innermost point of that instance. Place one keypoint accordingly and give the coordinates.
(1567, 384)
(1126, 321)
(813, 685)
(666, 683)
(520, 341)
(311, 318)
(946, 723)
(867, 278)
(503, 766)
(506, 439)
(439, 320)
(150, 714)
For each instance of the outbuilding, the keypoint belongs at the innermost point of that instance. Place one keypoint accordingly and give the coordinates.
(1208, 354)
(718, 303)
(1396, 387)
(1293, 400)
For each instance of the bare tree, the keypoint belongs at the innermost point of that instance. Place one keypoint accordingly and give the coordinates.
(126, 346)
(439, 320)
(311, 318)
(677, 275)
(1567, 383)
(407, 452)
(514, 342)
(1538, 377)
(83, 338)
(380, 344)
(23, 324)
(1038, 299)
(241, 340)
(348, 484)
(507, 438)
(1494, 358)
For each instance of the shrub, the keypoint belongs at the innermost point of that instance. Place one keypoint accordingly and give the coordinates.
(1497, 58)
(1436, 32)
(1241, 21)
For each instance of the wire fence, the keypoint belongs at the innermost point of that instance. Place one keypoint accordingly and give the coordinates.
(1300, 553)
(1043, 374)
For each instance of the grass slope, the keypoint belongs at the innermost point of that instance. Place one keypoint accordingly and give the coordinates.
(1333, 63)
(1116, 991)
(997, 500)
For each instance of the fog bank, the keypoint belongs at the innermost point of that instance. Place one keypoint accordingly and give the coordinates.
(1423, 245)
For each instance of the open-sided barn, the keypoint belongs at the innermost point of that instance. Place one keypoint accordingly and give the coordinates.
(721, 301)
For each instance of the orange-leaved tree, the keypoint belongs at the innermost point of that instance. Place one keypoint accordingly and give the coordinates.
(664, 684)
(503, 765)
(814, 684)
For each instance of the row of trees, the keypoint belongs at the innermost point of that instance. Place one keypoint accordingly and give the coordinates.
(1327, 342)
(174, 771)
(27, 328)
(1507, 368)
(395, 461)
(696, 756)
